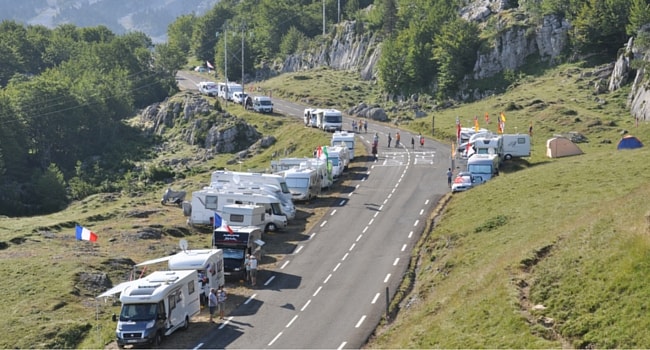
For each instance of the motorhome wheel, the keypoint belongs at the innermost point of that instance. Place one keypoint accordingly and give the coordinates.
(271, 227)
(507, 157)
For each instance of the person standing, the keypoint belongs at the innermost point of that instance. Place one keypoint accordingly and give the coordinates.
(412, 142)
(449, 175)
(221, 302)
(421, 140)
(212, 303)
(248, 258)
(253, 269)
(397, 137)
(365, 126)
(389, 140)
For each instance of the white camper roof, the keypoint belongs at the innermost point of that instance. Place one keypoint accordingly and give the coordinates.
(154, 287)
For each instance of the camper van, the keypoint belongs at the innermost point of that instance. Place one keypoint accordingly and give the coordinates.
(262, 104)
(226, 90)
(345, 137)
(246, 215)
(236, 246)
(320, 165)
(310, 117)
(304, 183)
(329, 119)
(340, 159)
(238, 177)
(155, 306)
(207, 262)
(483, 166)
(286, 204)
(515, 146)
(487, 145)
(205, 202)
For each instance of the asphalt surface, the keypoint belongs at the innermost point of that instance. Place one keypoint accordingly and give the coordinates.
(332, 291)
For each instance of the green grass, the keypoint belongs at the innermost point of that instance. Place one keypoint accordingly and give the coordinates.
(570, 234)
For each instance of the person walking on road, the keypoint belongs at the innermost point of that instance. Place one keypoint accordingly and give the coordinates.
(449, 175)
(389, 140)
(397, 137)
(365, 126)
(212, 303)
(221, 301)
(421, 140)
(412, 142)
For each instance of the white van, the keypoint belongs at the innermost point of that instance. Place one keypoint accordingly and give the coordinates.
(238, 177)
(155, 306)
(483, 166)
(347, 138)
(208, 263)
(304, 183)
(239, 97)
(208, 88)
(262, 104)
(329, 119)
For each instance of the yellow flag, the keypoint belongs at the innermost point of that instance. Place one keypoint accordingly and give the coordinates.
(503, 117)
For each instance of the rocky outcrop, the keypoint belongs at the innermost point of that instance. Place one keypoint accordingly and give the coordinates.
(347, 50)
(200, 125)
(621, 73)
(515, 44)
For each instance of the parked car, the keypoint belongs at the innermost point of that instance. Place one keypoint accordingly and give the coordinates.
(200, 69)
(463, 182)
(239, 97)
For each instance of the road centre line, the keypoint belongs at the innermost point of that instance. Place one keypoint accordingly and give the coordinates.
(333, 212)
(421, 211)
(274, 339)
(342, 346)
(290, 322)
(387, 278)
(284, 265)
(225, 323)
(336, 267)
(345, 256)
(396, 261)
(390, 195)
(359, 237)
(357, 186)
(352, 246)
(410, 234)
(198, 346)
(350, 194)
(317, 290)
(385, 200)
(374, 300)
(376, 213)
(252, 297)
(312, 235)
(404, 247)
(363, 318)
(269, 280)
(365, 229)
(328, 278)
(305, 306)
(341, 203)
(370, 222)
(416, 222)
(298, 249)
(426, 202)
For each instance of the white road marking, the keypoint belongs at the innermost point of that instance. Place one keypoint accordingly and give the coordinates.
(336, 267)
(396, 261)
(317, 290)
(359, 237)
(416, 222)
(274, 339)
(269, 280)
(284, 265)
(363, 318)
(404, 247)
(374, 300)
(252, 297)
(328, 278)
(306, 304)
(333, 212)
(290, 322)
(387, 278)
(352, 246)
(323, 223)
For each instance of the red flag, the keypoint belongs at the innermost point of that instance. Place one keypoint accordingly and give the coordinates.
(457, 129)
(319, 152)
(500, 127)
(487, 118)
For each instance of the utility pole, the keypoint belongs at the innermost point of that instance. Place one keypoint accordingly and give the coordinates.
(338, 20)
(323, 17)
(225, 55)
(243, 30)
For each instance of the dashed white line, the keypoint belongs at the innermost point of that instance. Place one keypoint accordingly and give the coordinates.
(393, 191)
(198, 346)
(396, 261)
(385, 201)
(374, 300)
(416, 222)
(350, 194)
(306, 304)
(328, 278)
(382, 206)
(404, 247)
(312, 235)
(426, 202)
(352, 246)
(376, 213)
(360, 321)
(421, 211)
(345, 256)
(317, 290)
(269, 280)
(370, 222)
(341, 203)
(298, 249)
(290, 322)
(365, 229)
(390, 195)
(359, 237)
(225, 323)
(410, 234)
(342, 346)
(333, 212)
(387, 278)
(336, 267)
(252, 297)
(274, 339)
(323, 223)
(284, 265)
(357, 186)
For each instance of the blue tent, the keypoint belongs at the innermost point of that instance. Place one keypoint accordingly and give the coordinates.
(629, 142)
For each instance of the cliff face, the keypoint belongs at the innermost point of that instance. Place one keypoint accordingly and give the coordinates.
(639, 98)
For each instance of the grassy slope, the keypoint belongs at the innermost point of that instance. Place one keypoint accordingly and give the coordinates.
(572, 229)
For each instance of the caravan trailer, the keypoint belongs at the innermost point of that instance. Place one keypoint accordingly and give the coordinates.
(155, 306)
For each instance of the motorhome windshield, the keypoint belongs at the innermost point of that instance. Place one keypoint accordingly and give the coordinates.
(276, 209)
(138, 312)
(297, 182)
(480, 168)
(333, 119)
(230, 253)
(334, 160)
(284, 187)
(265, 103)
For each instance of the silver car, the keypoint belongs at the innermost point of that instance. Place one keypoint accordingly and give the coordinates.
(463, 182)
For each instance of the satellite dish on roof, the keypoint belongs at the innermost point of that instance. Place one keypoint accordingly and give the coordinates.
(236, 179)
(183, 244)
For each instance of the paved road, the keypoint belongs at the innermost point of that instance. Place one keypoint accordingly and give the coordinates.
(332, 291)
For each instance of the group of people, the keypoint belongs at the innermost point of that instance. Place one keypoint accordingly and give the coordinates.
(361, 124)
(217, 297)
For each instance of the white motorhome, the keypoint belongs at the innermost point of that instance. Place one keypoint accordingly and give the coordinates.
(208, 88)
(304, 183)
(246, 215)
(345, 137)
(310, 117)
(329, 119)
(286, 204)
(320, 165)
(205, 202)
(262, 104)
(515, 146)
(207, 262)
(155, 306)
(483, 166)
(487, 145)
(467, 133)
(238, 177)
(226, 90)
(341, 153)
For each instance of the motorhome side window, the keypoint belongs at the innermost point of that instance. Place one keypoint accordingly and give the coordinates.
(236, 218)
(179, 296)
(172, 303)
(211, 202)
(190, 287)
(521, 140)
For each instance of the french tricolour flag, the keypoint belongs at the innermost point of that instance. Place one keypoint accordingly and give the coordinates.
(84, 234)
(220, 223)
